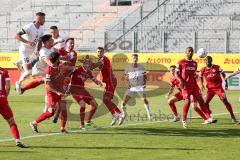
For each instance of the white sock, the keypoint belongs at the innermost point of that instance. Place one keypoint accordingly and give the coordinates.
(147, 109)
(24, 75)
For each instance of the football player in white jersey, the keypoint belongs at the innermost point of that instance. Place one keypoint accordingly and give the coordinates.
(136, 77)
(58, 40)
(29, 38)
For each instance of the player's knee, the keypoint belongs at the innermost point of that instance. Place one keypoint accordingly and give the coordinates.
(94, 103)
(11, 121)
(50, 110)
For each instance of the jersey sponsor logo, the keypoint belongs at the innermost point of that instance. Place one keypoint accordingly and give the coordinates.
(189, 68)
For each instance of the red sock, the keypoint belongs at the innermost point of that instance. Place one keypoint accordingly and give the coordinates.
(230, 110)
(185, 111)
(32, 84)
(82, 115)
(14, 131)
(173, 108)
(200, 113)
(91, 113)
(43, 116)
(205, 109)
(63, 118)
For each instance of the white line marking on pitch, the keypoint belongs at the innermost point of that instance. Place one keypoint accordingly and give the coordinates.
(93, 129)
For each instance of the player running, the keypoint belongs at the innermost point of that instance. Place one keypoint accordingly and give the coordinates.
(136, 77)
(212, 74)
(5, 109)
(29, 37)
(186, 74)
(174, 83)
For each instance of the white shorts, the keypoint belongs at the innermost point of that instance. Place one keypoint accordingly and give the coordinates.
(26, 54)
(139, 90)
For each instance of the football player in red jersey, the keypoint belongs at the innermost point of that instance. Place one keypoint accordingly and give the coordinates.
(174, 83)
(78, 78)
(212, 74)
(54, 90)
(5, 109)
(186, 73)
(110, 85)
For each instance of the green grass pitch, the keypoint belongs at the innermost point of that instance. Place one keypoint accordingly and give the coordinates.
(136, 139)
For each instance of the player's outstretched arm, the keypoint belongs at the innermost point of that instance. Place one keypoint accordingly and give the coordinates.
(233, 74)
(20, 38)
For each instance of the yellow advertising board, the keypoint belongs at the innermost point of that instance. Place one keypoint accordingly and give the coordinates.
(151, 61)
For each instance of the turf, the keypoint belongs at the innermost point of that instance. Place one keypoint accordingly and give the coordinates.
(136, 139)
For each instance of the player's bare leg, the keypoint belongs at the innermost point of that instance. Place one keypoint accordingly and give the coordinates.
(93, 108)
(171, 102)
(147, 107)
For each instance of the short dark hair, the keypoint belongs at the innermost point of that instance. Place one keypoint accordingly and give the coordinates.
(40, 14)
(209, 57)
(69, 39)
(46, 38)
(172, 66)
(53, 57)
(100, 48)
(54, 27)
(135, 54)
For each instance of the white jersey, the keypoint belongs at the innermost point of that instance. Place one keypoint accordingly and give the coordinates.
(135, 76)
(32, 34)
(59, 45)
(41, 65)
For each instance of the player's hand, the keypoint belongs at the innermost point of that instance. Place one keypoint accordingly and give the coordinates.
(226, 87)
(167, 96)
(226, 78)
(32, 44)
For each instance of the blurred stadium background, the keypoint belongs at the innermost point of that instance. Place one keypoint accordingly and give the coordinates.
(131, 25)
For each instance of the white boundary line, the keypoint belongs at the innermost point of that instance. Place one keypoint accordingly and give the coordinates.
(93, 129)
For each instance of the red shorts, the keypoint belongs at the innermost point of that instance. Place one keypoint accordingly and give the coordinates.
(180, 97)
(86, 99)
(188, 93)
(52, 99)
(5, 109)
(110, 88)
(212, 91)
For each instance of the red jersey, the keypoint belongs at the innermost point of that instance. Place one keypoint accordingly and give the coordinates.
(187, 70)
(106, 70)
(56, 79)
(80, 75)
(212, 76)
(175, 82)
(70, 56)
(3, 78)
